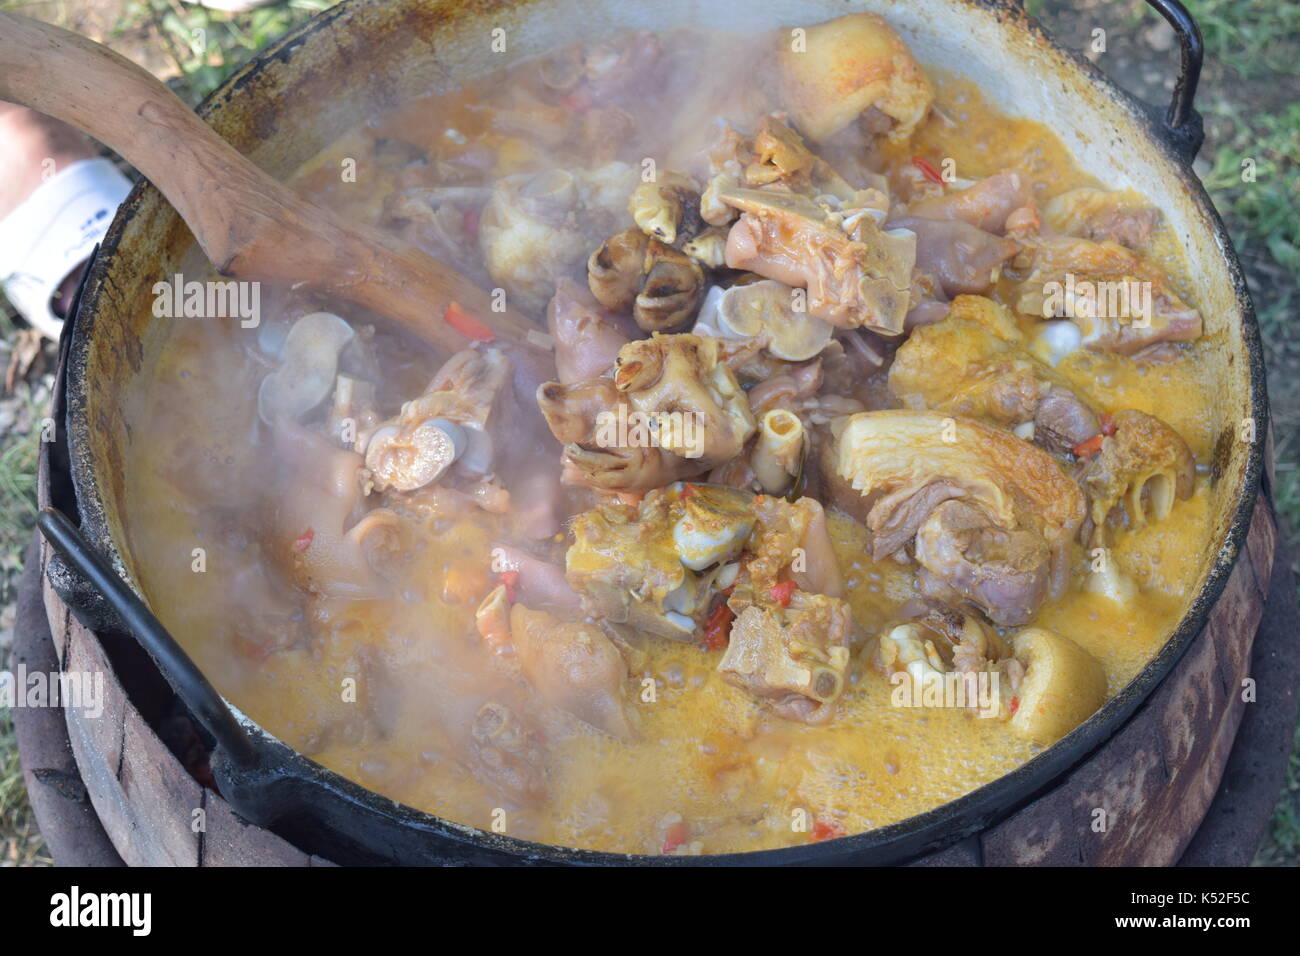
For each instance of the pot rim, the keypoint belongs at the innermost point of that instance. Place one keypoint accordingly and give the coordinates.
(933, 829)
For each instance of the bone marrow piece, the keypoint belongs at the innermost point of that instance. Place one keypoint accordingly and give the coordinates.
(1063, 686)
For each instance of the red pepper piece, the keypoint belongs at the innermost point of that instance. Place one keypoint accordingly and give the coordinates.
(466, 324)
(717, 629)
(927, 167)
(1089, 447)
(676, 836)
(826, 830)
(782, 592)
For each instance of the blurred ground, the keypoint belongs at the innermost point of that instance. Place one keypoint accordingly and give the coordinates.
(1247, 95)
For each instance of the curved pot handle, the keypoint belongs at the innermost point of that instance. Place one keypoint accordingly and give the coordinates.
(175, 665)
(1181, 126)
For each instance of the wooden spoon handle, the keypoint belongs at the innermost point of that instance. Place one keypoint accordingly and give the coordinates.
(250, 226)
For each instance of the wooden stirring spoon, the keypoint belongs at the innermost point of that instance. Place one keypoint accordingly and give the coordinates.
(251, 227)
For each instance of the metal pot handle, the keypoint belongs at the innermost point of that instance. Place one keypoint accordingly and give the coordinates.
(175, 665)
(1182, 126)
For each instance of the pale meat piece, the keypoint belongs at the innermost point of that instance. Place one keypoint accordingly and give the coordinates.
(790, 641)
(587, 336)
(322, 536)
(847, 66)
(780, 157)
(1145, 466)
(942, 641)
(975, 364)
(651, 566)
(1104, 289)
(1103, 215)
(574, 666)
(781, 530)
(445, 426)
(862, 278)
(795, 656)
(962, 258)
(989, 517)
(984, 205)
(539, 227)
(504, 750)
(683, 413)
(577, 414)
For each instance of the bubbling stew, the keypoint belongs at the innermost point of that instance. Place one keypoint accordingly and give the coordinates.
(870, 460)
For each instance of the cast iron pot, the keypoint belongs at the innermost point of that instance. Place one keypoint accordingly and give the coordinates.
(318, 82)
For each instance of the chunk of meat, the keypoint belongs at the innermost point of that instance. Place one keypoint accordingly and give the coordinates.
(1063, 420)
(464, 389)
(661, 286)
(959, 256)
(540, 584)
(939, 641)
(580, 416)
(764, 313)
(1145, 466)
(538, 227)
(326, 542)
(795, 656)
(443, 221)
(975, 364)
(778, 156)
(790, 539)
(651, 565)
(984, 205)
(574, 666)
(683, 375)
(444, 427)
(846, 66)
(996, 530)
(791, 387)
(853, 280)
(929, 302)
(587, 337)
(965, 555)
(1122, 302)
(668, 208)
(1062, 685)
(1103, 215)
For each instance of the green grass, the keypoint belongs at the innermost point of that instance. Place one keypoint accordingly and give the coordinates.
(1254, 38)
(20, 842)
(1282, 846)
(1262, 211)
(206, 46)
